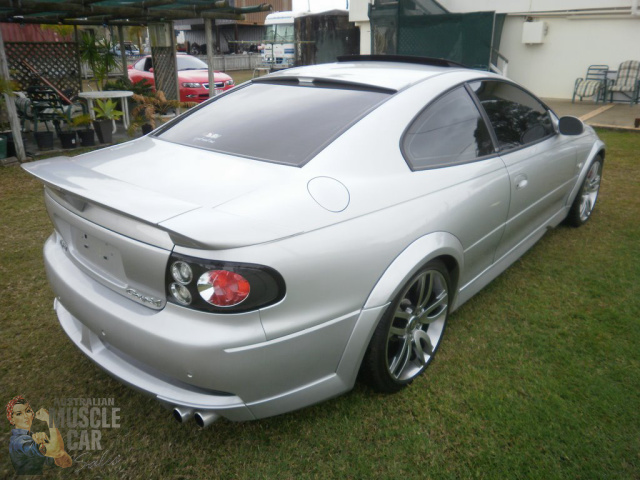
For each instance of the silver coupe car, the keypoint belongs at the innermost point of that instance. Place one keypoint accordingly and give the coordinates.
(265, 249)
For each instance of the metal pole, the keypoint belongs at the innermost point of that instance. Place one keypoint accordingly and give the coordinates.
(78, 62)
(208, 33)
(11, 106)
(123, 53)
(174, 49)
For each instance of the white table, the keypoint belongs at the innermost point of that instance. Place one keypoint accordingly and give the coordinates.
(123, 94)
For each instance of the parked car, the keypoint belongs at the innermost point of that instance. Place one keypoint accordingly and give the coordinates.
(129, 49)
(193, 77)
(257, 253)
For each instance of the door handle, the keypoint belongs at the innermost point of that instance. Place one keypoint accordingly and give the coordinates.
(521, 182)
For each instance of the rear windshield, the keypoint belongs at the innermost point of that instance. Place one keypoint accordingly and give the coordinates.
(275, 123)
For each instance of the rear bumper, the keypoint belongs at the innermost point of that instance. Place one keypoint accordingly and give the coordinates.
(205, 362)
(168, 392)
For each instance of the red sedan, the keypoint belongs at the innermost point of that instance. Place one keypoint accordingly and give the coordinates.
(193, 77)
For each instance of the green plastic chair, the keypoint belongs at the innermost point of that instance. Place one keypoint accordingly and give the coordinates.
(594, 84)
(627, 82)
(47, 106)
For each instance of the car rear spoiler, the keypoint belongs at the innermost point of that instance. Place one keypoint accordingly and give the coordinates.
(79, 185)
(434, 62)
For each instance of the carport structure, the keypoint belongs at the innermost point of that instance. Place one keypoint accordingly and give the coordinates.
(157, 15)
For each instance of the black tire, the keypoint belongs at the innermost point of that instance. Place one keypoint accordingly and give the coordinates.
(585, 201)
(409, 334)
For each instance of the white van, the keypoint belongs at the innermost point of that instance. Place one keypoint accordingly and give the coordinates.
(278, 47)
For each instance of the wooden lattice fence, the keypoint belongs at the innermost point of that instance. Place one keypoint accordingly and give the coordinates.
(164, 71)
(58, 62)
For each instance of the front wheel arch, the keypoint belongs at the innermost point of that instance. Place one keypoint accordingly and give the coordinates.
(585, 200)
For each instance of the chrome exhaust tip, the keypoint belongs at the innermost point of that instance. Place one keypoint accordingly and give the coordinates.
(182, 415)
(204, 419)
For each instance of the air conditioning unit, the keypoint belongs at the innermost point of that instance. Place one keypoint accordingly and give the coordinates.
(534, 32)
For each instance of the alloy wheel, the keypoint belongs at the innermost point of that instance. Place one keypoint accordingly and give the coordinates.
(590, 191)
(417, 325)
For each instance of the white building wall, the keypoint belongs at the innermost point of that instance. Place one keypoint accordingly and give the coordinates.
(511, 6)
(359, 10)
(549, 69)
(318, 6)
(359, 14)
(609, 35)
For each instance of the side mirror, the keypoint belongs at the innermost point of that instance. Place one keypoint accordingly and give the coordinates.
(151, 71)
(570, 126)
(130, 67)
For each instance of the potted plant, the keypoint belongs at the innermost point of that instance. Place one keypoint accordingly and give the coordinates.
(106, 114)
(44, 140)
(87, 136)
(66, 134)
(152, 108)
(144, 115)
(3, 147)
(142, 87)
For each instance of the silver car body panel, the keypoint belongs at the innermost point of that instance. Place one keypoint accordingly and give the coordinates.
(118, 262)
(374, 74)
(345, 231)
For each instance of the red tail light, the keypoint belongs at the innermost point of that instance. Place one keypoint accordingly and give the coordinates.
(223, 288)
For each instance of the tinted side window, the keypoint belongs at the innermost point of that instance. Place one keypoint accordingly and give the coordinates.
(448, 132)
(517, 117)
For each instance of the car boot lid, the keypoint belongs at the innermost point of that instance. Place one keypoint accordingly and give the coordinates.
(197, 202)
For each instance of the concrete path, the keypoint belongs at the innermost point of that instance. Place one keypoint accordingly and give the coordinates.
(609, 115)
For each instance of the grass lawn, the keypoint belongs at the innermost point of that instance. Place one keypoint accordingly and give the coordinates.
(240, 76)
(538, 376)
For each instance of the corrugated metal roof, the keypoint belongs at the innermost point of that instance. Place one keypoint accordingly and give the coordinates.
(12, 32)
(121, 12)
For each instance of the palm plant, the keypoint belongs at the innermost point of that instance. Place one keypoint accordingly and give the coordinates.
(98, 54)
(137, 33)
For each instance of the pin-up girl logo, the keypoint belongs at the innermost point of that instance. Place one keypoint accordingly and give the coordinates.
(30, 452)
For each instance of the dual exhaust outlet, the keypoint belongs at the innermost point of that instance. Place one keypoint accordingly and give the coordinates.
(203, 419)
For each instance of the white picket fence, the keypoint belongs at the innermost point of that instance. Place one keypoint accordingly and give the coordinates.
(222, 63)
(229, 63)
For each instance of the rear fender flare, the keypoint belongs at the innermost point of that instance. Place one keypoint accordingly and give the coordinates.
(413, 258)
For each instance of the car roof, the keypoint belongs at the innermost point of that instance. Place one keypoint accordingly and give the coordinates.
(377, 74)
